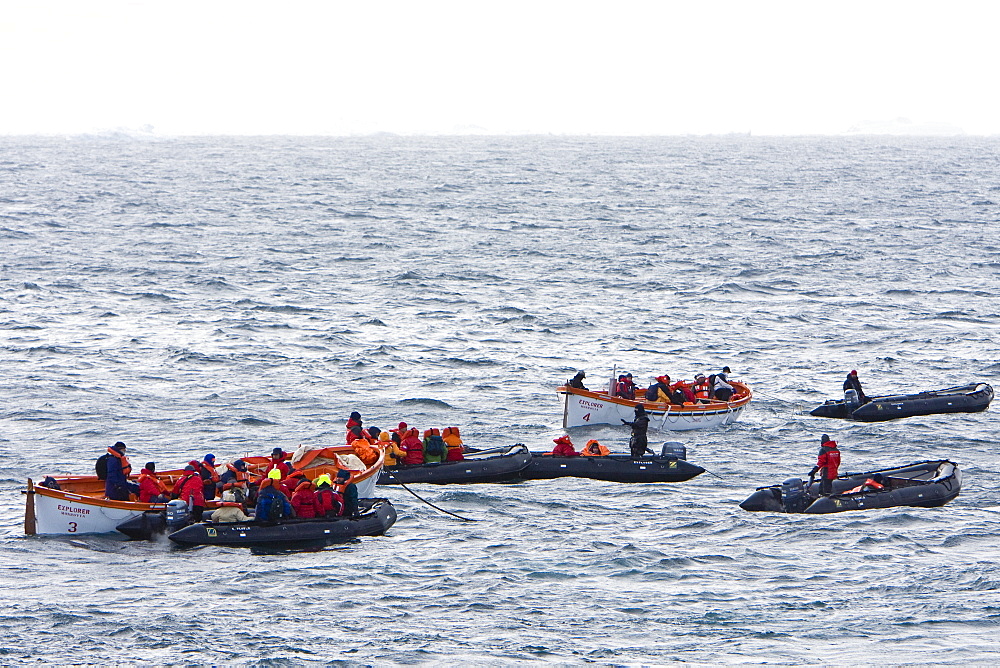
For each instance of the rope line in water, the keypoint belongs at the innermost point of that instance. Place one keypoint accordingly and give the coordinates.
(446, 512)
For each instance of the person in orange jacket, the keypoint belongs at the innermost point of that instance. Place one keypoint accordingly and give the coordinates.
(594, 449)
(364, 450)
(453, 441)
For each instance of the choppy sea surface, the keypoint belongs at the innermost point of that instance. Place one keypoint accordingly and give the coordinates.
(230, 295)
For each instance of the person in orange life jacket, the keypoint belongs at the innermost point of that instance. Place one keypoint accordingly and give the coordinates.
(577, 381)
(874, 484)
(189, 489)
(852, 383)
(353, 421)
(453, 441)
(414, 448)
(638, 443)
(364, 450)
(393, 453)
(304, 501)
(272, 504)
(564, 447)
(348, 491)
(277, 462)
(702, 390)
(236, 477)
(329, 500)
(828, 461)
(722, 390)
(594, 449)
(289, 484)
(435, 449)
(660, 390)
(117, 486)
(231, 510)
(151, 488)
(209, 476)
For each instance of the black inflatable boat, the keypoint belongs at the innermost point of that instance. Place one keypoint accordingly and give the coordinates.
(971, 398)
(479, 466)
(925, 484)
(374, 518)
(669, 466)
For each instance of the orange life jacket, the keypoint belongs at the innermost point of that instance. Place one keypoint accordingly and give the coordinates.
(126, 467)
(701, 389)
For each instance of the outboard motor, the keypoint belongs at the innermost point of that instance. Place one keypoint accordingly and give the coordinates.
(176, 514)
(674, 449)
(793, 496)
(851, 399)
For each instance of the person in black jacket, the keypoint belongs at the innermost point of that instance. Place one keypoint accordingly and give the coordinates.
(637, 444)
(577, 380)
(852, 383)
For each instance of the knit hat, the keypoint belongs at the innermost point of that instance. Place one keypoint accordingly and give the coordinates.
(210, 458)
(356, 416)
(119, 446)
(824, 438)
(277, 452)
(189, 468)
(323, 479)
(150, 466)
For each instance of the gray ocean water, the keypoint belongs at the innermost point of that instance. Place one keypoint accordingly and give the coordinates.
(230, 295)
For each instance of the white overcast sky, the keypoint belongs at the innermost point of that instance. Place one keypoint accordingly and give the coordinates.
(612, 67)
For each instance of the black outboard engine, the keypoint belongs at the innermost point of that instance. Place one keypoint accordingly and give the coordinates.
(851, 400)
(793, 496)
(674, 449)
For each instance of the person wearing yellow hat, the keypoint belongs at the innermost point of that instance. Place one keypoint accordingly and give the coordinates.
(272, 504)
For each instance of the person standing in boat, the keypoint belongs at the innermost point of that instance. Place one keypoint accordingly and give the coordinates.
(577, 381)
(638, 444)
(827, 464)
(852, 383)
(190, 490)
(116, 484)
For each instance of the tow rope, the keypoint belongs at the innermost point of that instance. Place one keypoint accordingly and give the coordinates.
(446, 512)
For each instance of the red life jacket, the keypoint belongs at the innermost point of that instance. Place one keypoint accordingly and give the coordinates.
(150, 486)
(188, 488)
(330, 501)
(304, 502)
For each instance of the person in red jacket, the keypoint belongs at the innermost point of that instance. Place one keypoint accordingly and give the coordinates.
(151, 488)
(564, 447)
(329, 501)
(304, 501)
(828, 462)
(278, 462)
(354, 421)
(414, 448)
(189, 489)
